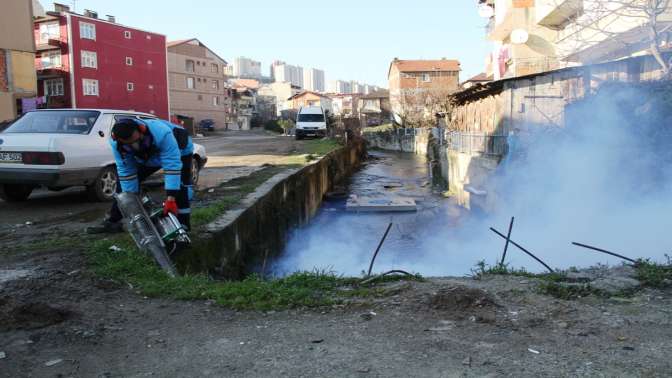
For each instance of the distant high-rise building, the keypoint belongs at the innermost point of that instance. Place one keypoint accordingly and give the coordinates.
(339, 87)
(313, 80)
(288, 74)
(273, 65)
(246, 68)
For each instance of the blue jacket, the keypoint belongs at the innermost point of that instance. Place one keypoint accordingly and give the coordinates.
(165, 154)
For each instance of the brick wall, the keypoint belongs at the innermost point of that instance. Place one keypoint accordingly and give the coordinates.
(3, 72)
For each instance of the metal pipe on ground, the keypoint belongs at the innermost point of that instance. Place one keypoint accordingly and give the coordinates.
(605, 251)
(373, 259)
(508, 239)
(378, 276)
(523, 249)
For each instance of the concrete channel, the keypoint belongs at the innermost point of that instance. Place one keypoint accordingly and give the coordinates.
(249, 237)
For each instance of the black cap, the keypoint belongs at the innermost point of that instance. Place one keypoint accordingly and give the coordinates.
(124, 128)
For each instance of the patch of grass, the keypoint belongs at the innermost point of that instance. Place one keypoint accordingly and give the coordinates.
(553, 284)
(482, 269)
(207, 214)
(654, 274)
(319, 147)
(229, 199)
(301, 289)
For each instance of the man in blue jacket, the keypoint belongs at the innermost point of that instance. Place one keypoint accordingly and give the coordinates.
(142, 147)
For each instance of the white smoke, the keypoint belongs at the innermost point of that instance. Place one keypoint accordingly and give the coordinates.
(604, 180)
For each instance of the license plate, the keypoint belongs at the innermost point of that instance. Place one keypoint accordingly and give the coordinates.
(10, 157)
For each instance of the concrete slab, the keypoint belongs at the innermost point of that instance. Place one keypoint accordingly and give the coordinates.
(387, 203)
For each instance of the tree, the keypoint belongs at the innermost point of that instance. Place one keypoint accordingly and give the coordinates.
(418, 107)
(601, 20)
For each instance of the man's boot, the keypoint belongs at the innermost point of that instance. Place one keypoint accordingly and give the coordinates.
(106, 227)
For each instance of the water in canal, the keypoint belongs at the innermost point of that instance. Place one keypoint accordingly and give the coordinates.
(442, 238)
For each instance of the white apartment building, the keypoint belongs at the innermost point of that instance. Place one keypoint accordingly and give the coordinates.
(287, 73)
(536, 36)
(281, 92)
(339, 87)
(246, 68)
(313, 80)
(356, 87)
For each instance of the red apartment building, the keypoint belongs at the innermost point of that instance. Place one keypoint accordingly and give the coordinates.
(85, 62)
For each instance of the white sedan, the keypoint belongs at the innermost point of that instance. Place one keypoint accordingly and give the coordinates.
(61, 148)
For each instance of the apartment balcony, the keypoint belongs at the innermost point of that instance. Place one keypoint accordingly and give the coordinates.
(555, 14)
(50, 44)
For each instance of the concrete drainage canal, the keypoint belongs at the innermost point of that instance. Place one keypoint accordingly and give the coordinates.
(289, 225)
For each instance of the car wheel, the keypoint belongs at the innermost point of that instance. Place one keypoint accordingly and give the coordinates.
(195, 170)
(15, 192)
(105, 186)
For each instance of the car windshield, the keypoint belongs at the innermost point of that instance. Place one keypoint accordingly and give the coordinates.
(311, 118)
(56, 122)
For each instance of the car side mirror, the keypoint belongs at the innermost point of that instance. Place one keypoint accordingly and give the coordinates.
(101, 133)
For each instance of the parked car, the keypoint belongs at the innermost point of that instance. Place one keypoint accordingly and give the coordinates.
(206, 125)
(311, 121)
(62, 148)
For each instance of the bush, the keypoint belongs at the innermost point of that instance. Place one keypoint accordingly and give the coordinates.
(274, 126)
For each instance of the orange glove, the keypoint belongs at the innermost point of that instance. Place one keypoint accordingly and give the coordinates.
(170, 206)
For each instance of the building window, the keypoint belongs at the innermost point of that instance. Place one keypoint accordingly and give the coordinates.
(127, 34)
(149, 36)
(426, 78)
(215, 101)
(129, 61)
(214, 68)
(151, 87)
(189, 65)
(130, 87)
(89, 59)
(200, 98)
(87, 30)
(149, 62)
(54, 87)
(49, 30)
(190, 83)
(152, 112)
(51, 59)
(90, 87)
(215, 84)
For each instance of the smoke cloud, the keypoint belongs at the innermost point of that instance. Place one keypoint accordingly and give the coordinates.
(605, 179)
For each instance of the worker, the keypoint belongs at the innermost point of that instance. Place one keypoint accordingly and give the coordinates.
(142, 147)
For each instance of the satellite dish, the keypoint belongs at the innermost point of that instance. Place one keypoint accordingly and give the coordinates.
(519, 36)
(485, 11)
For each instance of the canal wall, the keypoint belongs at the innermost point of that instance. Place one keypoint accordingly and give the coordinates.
(249, 237)
(402, 140)
(462, 172)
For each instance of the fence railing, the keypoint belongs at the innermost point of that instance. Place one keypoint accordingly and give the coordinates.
(469, 143)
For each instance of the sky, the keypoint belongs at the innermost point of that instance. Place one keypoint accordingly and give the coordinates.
(349, 40)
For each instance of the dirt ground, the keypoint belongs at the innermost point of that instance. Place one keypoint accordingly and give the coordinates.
(58, 320)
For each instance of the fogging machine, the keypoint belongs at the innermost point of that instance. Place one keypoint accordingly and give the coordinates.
(155, 234)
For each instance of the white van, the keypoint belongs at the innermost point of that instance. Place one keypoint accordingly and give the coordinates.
(311, 122)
